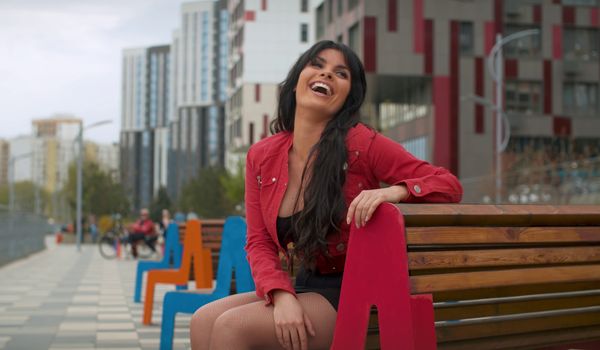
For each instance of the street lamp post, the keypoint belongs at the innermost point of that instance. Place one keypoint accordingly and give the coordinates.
(79, 176)
(494, 62)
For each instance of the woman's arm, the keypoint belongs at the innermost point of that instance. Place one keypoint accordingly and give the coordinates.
(392, 164)
(260, 247)
(411, 180)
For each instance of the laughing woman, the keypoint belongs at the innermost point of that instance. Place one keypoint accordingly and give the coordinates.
(319, 173)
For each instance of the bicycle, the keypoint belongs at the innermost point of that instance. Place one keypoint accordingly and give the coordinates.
(115, 242)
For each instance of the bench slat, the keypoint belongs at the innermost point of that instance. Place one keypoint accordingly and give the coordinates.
(501, 257)
(495, 309)
(491, 235)
(516, 326)
(512, 277)
(525, 341)
(499, 215)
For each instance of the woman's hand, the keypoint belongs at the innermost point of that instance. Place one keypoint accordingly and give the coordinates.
(364, 205)
(291, 323)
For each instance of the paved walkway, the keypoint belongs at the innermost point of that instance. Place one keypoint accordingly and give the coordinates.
(63, 299)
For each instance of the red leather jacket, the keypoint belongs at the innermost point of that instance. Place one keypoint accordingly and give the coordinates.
(372, 158)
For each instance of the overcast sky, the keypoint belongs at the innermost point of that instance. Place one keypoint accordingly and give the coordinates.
(63, 56)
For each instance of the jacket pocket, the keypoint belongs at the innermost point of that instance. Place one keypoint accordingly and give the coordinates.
(265, 181)
(266, 185)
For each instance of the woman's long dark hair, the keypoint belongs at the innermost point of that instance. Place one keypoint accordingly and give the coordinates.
(324, 204)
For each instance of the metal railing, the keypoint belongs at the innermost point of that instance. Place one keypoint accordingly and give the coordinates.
(566, 182)
(21, 234)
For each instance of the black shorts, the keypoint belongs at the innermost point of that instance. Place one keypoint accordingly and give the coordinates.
(328, 286)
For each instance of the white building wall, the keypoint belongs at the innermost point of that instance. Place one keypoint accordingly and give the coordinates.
(271, 45)
(272, 41)
(108, 158)
(66, 154)
(40, 165)
(23, 168)
(174, 78)
(67, 131)
(133, 96)
(197, 53)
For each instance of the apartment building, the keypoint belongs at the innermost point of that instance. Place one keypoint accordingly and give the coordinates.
(425, 59)
(144, 121)
(267, 37)
(198, 86)
(53, 150)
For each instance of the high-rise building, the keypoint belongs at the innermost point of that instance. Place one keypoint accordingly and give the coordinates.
(144, 121)
(54, 149)
(133, 117)
(425, 59)
(267, 37)
(105, 155)
(198, 86)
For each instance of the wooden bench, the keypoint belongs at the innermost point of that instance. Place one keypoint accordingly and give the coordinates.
(502, 277)
(506, 277)
(211, 238)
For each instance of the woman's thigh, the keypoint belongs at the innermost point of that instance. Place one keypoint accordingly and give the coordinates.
(214, 309)
(204, 318)
(254, 326)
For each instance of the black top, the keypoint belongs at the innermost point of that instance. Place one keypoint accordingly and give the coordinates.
(284, 229)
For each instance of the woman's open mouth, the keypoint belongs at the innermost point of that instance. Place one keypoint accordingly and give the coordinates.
(321, 88)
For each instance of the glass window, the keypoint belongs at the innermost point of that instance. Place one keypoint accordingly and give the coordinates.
(418, 147)
(319, 20)
(340, 7)
(403, 99)
(329, 11)
(303, 32)
(581, 99)
(352, 4)
(580, 2)
(528, 46)
(303, 5)
(581, 44)
(466, 38)
(523, 97)
(353, 37)
(513, 9)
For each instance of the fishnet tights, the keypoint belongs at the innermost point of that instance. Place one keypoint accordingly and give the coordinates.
(242, 321)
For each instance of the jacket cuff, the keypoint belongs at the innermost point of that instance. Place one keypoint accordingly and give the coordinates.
(270, 294)
(414, 188)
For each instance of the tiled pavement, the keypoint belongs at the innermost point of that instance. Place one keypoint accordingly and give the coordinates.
(63, 299)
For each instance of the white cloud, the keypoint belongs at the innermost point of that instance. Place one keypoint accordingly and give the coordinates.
(64, 57)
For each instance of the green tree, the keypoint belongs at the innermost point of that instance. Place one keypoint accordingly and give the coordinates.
(4, 196)
(25, 194)
(233, 185)
(205, 195)
(101, 195)
(160, 202)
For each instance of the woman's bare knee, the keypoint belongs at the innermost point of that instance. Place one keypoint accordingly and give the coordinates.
(203, 314)
(200, 327)
(203, 320)
(249, 326)
(226, 331)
